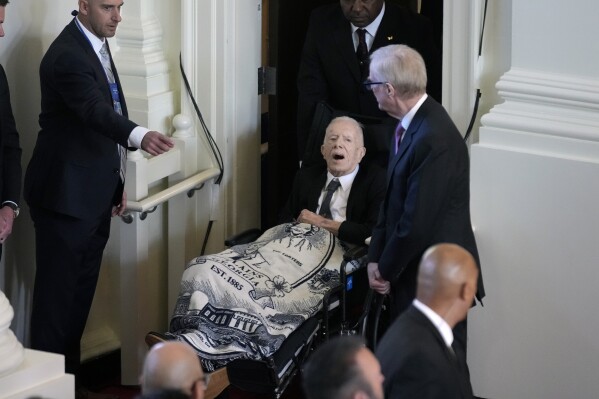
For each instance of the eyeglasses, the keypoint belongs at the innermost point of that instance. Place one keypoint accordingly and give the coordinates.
(368, 84)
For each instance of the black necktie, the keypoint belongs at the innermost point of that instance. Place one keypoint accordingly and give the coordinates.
(362, 53)
(105, 59)
(325, 208)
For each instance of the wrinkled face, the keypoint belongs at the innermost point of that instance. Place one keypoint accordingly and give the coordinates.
(371, 370)
(343, 147)
(361, 13)
(101, 17)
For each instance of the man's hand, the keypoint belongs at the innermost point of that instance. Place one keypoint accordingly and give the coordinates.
(119, 209)
(156, 143)
(307, 216)
(377, 283)
(7, 217)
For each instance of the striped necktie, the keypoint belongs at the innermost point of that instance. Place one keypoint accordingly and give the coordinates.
(105, 59)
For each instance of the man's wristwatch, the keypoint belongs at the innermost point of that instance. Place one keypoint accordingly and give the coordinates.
(15, 208)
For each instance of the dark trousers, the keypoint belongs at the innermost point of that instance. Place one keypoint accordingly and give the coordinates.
(68, 257)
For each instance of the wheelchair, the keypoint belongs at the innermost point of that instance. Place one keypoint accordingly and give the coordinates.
(345, 307)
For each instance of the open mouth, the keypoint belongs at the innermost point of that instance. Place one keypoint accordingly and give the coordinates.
(338, 157)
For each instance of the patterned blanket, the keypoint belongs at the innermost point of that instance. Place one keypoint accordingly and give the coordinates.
(244, 302)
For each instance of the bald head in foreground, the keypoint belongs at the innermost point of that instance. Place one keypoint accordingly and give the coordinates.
(416, 354)
(172, 367)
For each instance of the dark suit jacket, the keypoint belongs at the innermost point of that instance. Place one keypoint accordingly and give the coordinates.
(365, 197)
(416, 362)
(427, 201)
(329, 69)
(75, 165)
(10, 151)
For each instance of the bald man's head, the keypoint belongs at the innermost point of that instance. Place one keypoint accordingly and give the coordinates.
(172, 366)
(447, 281)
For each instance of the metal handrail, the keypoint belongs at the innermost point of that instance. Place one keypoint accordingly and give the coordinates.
(154, 200)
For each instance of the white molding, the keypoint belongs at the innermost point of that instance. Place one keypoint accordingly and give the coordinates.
(459, 57)
(545, 113)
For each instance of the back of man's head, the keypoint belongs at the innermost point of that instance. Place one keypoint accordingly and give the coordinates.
(447, 281)
(172, 366)
(343, 368)
(402, 67)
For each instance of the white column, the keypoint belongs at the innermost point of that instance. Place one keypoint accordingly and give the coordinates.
(11, 350)
(144, 73)
(142, 66)
(535, 186)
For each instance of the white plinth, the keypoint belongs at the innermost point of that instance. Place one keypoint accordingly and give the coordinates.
(40, 375)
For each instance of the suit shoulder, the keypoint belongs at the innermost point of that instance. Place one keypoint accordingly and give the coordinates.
(407, 16)
(324, 16)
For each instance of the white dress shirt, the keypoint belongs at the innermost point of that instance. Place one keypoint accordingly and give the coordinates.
(340, 197)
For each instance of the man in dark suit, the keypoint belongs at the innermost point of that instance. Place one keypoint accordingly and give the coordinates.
(355, 204)
(75, 179)
(417, 354)
(10, 154)
(331, 69)
(428, 180)
(343, 368)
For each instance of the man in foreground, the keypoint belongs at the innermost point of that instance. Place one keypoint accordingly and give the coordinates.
(343, 368)
(418, 356)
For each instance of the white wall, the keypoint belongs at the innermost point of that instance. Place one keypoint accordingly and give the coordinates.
(535, 184)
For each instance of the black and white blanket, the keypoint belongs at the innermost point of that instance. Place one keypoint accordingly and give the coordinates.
(244, 302)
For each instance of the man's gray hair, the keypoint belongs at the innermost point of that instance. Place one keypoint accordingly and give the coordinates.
(402, 67)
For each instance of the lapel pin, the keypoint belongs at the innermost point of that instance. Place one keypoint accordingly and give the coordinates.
(389, 38)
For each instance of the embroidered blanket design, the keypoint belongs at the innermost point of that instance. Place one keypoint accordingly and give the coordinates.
(244, 301)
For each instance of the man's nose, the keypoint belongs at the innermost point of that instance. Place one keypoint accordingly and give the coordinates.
(357, 5)
(116, 15)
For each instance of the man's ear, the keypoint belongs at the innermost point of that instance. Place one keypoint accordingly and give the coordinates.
(390, 89)
(83, 7)
(467, 292)
(322, 150)
(362, 153)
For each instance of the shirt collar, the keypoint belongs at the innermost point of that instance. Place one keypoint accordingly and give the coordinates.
(374, 25)
(437, 321)
(345, 180)
(407, 119)
(93, 39)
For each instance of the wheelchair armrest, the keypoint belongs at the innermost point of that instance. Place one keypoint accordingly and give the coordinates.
(355, 253)
(244, 237)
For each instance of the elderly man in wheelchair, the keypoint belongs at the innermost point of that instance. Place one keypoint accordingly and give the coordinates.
(242, 305)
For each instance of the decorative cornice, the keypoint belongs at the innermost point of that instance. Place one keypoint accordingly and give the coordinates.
(542, 103)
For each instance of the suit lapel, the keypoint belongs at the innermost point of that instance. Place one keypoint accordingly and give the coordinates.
(387, 31)
(342, 36)
(356, 190)
(409, 137)
(315, 191)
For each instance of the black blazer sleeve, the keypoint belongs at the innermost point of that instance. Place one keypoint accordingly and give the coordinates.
(10, 181)
(365, 198)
